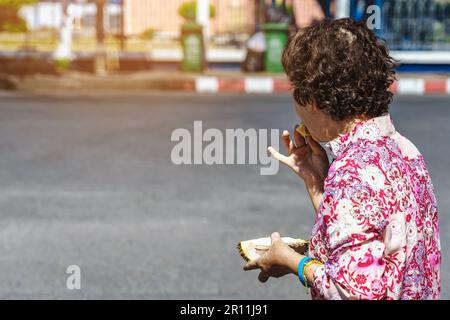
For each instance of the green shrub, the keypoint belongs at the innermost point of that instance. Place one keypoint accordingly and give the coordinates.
(148, 34)
(188, 10)
(63, 63)
(10, 21)
(16, 3)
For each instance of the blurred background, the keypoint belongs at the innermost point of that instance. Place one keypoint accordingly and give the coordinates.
(138, 35)
(90, 93)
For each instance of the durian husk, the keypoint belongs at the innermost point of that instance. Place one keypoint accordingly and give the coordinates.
(252, 249)
(303, 130)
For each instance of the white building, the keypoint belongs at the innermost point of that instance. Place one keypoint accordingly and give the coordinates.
(48, 14)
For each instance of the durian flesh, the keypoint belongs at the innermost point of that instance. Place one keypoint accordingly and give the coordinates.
(303, 130)
(253, 249)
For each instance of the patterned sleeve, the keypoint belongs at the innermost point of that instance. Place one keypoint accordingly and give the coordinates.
(354, 212)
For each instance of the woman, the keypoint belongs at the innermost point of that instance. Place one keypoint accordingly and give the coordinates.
(376, 232)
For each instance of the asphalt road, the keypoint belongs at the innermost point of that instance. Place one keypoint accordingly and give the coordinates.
(87, 180)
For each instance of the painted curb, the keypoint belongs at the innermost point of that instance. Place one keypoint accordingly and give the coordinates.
(406, 86)
(212, 84)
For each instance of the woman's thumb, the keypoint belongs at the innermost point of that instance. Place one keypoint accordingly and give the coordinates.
(275, 236)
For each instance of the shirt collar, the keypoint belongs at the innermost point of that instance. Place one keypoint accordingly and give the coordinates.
(370, 129)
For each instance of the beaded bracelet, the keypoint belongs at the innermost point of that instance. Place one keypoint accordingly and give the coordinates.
(302, 265)
(300, 270)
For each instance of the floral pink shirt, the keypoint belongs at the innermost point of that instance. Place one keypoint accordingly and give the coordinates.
(377, 226)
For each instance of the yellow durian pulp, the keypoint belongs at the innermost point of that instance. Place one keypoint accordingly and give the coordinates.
(303, 130)
(253, 249)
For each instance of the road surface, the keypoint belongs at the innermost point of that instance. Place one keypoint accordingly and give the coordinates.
(87, 180)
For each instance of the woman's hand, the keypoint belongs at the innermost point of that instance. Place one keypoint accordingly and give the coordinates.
(278, 261)
(308, 160)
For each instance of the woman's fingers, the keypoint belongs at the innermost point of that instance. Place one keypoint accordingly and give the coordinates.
(251, 265)
(275, 236)
(280, 157)
(287, 141)
(263, 277)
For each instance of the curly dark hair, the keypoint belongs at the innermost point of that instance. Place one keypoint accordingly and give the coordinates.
(342, 67)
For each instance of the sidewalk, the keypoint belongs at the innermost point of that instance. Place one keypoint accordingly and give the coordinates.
(218, 81)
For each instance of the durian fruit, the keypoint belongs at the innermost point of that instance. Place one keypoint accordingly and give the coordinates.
(303, 130)
(253, 249)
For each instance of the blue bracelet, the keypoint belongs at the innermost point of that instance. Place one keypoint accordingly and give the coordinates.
(301, 265)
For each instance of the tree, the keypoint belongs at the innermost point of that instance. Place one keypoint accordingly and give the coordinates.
(9, 15)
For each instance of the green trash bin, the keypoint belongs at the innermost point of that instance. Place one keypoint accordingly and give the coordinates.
(193, 47)
(276, 35)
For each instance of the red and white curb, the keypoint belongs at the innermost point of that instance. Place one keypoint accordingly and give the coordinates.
(245, 84)
(421, 86)
(405, 86)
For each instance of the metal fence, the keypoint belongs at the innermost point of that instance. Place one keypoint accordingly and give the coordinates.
(411, 24)
(405, 24)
